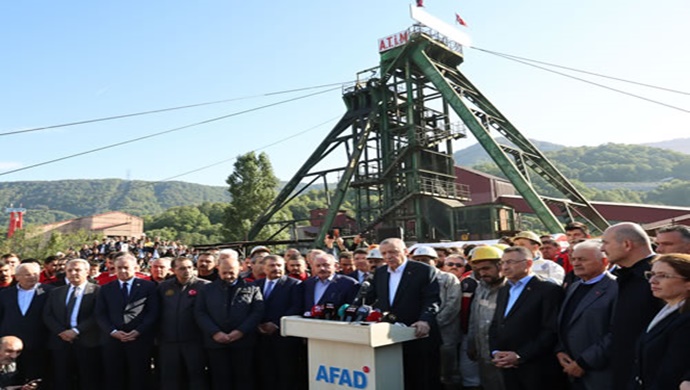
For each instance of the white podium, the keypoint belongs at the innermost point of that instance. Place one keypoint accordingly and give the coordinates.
(351, 356)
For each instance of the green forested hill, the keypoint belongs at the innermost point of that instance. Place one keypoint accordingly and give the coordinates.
(50, 201)
(616, 163)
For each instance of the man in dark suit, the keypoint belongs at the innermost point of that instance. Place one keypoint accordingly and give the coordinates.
(126, 311)
(415, 302)
(282, 297)
(181, 357)
(228, 312)
(523, 332)
(21, 315)
(74, 333)
(584, 323)
(628, 247)
(363, 266)
(328, 287)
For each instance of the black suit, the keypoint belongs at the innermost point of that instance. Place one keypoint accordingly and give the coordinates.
(662, 354)
(530, 330)
(181, 356)
(82, 356)
(634, 310)
(127, 363)
(278, 372)
(222, 307)
(32, 363)
(416, 299)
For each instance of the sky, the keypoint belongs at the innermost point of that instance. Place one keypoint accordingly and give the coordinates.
(70, 61)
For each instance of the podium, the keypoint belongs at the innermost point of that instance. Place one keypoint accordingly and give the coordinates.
(346, 355)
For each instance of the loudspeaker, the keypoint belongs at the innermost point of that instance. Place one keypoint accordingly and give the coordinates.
(389, 232)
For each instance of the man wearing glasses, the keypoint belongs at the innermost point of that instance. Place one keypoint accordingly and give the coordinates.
(523, 333)
(628, 247)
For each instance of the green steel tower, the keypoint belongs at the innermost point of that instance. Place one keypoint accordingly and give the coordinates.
(397, 133)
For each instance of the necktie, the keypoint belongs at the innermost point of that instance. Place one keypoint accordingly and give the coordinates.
(70, 305)
(125, 292)
(269, 288)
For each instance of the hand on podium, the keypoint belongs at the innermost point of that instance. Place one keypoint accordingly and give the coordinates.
(421, 329)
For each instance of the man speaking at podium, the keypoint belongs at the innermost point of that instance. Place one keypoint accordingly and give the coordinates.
(409, 292)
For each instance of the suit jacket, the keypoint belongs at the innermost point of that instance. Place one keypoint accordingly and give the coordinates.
(635, 308)
(29, 327)
(662, 353)
(530, 329)
(417, 297)
(55, 317)
(216, 311)
(177, 322)
(285, 299)
(587, 336)
(139, 312)
(341, 290)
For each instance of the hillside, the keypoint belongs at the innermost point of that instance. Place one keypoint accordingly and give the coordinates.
(475, 154)
(681, 145)
(50, 201)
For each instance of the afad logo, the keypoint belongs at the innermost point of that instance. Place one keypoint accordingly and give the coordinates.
(343, 376)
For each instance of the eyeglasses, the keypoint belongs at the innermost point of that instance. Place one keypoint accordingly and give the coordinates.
(511, 262)
(659, 275)
(450, 264)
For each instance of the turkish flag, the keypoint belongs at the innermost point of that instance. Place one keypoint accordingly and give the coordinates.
(459, 20)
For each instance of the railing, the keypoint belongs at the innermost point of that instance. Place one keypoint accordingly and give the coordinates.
(444, 188)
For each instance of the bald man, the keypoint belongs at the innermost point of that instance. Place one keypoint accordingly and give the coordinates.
(230, 333)
(628, 247)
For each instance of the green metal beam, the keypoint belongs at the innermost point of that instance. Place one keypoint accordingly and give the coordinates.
(483, 136)
(319, 154)
(344, 182)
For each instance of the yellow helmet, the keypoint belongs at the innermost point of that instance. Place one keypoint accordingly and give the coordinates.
(482, 253)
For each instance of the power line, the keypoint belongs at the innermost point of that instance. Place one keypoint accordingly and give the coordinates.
(593, 83)
(165, 132)
(109, 118)
(584, 71)
(233, 158)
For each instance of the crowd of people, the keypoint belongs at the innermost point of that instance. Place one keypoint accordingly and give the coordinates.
(600, 313)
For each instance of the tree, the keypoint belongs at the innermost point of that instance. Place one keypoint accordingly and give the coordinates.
(253, 187)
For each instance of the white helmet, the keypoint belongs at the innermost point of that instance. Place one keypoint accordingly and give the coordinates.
(425, 251)
(374, 254)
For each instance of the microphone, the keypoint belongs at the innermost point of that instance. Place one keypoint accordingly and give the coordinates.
(317, 311)
(341, 311)
(389, 317)
(363, 313)
(350, 313)
(362, 293)
(329, 311)
(375, 316)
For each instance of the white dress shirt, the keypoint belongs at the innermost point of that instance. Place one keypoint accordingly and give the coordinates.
(24, 298)
(394, 277)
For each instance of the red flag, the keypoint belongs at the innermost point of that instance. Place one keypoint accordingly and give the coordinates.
(459, 20)
(420, 3)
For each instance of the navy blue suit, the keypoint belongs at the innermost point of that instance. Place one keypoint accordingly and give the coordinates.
(341, 290)
(284, 300)
(662, 353)
(140, 313)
